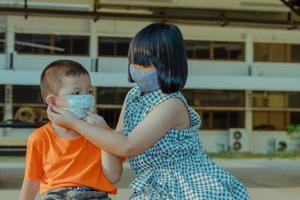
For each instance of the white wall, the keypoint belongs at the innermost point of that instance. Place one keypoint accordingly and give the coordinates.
(17, 132)
(213, 140)
(48, 25)
(259, 140)
(277, 69)
(39, 62)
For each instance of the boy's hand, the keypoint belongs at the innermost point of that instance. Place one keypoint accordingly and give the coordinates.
(95, 119)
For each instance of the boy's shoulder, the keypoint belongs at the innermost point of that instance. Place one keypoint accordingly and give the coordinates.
(39, 134)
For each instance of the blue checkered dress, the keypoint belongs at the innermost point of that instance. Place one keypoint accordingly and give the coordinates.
(175, 168)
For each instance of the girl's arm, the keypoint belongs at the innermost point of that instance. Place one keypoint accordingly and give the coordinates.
(172, 113)
(29, 189)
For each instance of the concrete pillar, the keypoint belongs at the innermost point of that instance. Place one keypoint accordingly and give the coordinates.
(94, 52)
(8, 98)
(10, 43)
(8, 107)
(249, 54)
(93, 46)
(249, 57)
(248, 113)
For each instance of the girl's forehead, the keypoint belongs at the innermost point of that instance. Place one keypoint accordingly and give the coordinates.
(144, 68)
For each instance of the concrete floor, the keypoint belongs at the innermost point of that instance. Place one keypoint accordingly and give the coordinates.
(265, 179)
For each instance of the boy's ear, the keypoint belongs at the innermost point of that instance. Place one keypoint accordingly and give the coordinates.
(50, 99)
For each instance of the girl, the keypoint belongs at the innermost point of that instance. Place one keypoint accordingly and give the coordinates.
(157, 130)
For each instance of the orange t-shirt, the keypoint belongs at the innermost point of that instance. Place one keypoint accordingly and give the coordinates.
(57, 162)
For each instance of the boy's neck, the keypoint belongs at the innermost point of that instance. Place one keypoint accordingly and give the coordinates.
(65, 133)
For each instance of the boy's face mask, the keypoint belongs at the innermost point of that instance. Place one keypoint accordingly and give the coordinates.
(77, 104)
(146, 80)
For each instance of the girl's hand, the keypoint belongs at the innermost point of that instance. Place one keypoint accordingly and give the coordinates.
(95, 119)
(61, 117)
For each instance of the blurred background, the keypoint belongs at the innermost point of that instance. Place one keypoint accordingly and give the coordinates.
(244, 68)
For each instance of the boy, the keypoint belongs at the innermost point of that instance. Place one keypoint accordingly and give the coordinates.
(60, 163)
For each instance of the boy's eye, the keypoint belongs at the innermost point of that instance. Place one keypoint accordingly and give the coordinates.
(76, 93)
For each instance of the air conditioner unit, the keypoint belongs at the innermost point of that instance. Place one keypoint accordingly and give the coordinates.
(239, 140)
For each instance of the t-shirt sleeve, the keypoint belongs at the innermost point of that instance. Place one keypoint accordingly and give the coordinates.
(33, 166)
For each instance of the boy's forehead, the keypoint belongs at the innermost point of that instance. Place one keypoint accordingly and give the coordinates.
(78, 78)
(76, 81)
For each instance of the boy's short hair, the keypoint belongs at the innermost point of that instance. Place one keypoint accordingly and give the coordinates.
(52, 75)
(162, 46)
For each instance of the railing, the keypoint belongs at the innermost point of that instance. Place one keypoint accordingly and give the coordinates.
(15, 146)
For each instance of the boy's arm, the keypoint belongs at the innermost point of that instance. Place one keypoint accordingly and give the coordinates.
(29, 189)
(33, 167)
(111, 164)
(111, 167)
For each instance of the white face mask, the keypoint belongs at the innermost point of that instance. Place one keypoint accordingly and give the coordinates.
(77, 104)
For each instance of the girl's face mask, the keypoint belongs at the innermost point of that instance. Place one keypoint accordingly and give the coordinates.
(77, 104)
(146, 80)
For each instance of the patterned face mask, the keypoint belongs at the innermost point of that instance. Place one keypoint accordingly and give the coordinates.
(79, 102)
(146, 80)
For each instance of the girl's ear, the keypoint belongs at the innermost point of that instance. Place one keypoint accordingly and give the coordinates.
(50, 100)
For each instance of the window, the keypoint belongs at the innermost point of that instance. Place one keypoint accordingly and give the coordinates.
(295, 56)
(1, 113)
(108, 46)
(2, 42)
(2, 93)
(269, 120)
(218, 98)
(197, 49)
(276, 99)
(294, 118)
(110, 115)
(72, 45)
(51, 44)
(115, 96)
(221, 120)
(275, 110)
(218, 109)
(28, 104)
(260, 121)
(110, 102)
(294, 100)
(272, 52)
(27, 94)
(260, 99)
(32, 43)
(228, 51)
(215, 50)
(205, 120)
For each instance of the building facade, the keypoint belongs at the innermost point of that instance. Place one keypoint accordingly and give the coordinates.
(242, 78)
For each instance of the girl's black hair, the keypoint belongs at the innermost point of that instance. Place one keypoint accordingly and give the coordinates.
(161, 45)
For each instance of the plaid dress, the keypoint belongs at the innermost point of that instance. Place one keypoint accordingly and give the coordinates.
(176, 167)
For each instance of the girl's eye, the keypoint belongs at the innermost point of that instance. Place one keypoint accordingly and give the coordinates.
(90, 92)
(76, 93)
